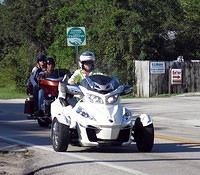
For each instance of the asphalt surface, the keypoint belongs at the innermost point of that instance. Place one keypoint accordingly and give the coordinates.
(176, 150)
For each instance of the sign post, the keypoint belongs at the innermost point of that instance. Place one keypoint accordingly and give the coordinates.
(76, 37)
(176, 76)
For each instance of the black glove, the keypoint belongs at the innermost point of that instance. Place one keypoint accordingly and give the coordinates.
(63, 101)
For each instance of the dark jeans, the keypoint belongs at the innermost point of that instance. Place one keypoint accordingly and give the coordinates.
(40, 98)
(35, 95)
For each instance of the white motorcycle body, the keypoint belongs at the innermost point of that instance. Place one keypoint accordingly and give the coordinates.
(97, 118)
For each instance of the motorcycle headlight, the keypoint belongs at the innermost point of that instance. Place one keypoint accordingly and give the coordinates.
(94, 98)
(112, 99)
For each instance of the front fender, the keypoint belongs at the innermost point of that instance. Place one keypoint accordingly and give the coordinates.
(145, 119)
(63, 119)
(58, 112)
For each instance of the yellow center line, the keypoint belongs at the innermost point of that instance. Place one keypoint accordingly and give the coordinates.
(177, 139)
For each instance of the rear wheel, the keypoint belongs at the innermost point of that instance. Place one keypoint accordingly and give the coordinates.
(42, 119)
(144, 136)
(60, 136)
(43, 122)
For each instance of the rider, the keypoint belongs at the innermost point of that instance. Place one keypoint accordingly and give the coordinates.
(33, 79)
(48, 73)
(50, 69)
(86, 63)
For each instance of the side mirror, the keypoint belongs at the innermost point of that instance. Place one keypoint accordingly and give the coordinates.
(74, 90)
(127, 90)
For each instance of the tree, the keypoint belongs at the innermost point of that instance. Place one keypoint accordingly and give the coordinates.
(26, 29)
(189, 38)
(109, 34)
(119, 32)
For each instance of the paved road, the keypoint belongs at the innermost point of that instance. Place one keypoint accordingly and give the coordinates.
(176, 150)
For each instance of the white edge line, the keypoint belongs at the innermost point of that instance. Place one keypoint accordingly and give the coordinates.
(131, 171)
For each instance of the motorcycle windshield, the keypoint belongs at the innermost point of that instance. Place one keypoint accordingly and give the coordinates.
(100, 83)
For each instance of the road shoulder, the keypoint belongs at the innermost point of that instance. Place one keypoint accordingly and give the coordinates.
(14, 158)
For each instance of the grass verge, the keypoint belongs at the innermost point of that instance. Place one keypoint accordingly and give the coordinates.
(11, 93)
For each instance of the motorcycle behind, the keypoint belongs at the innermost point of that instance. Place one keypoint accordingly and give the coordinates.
(50, 89)
(95, 117)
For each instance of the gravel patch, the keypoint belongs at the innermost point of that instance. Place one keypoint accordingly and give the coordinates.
(15, 159)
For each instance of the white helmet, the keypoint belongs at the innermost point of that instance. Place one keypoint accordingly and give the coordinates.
(87, 56)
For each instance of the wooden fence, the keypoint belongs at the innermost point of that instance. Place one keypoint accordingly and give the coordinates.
(155, 82)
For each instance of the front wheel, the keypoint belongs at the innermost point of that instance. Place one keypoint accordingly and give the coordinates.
(144, 136)
(60, 136)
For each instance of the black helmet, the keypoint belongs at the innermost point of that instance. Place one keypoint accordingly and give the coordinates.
(50, 60)
(41, 57)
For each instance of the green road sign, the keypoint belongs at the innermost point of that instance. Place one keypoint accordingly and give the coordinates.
(76, 36)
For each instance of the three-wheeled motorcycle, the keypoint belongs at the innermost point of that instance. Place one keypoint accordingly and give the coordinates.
(95, 117)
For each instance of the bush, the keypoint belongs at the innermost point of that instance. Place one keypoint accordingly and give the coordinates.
(15, 67)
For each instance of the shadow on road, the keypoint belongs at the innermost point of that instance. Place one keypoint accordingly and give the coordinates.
(8, 110)
(113, 161)
(158, 148)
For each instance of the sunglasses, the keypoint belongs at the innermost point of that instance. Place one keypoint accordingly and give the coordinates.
(88, 62)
